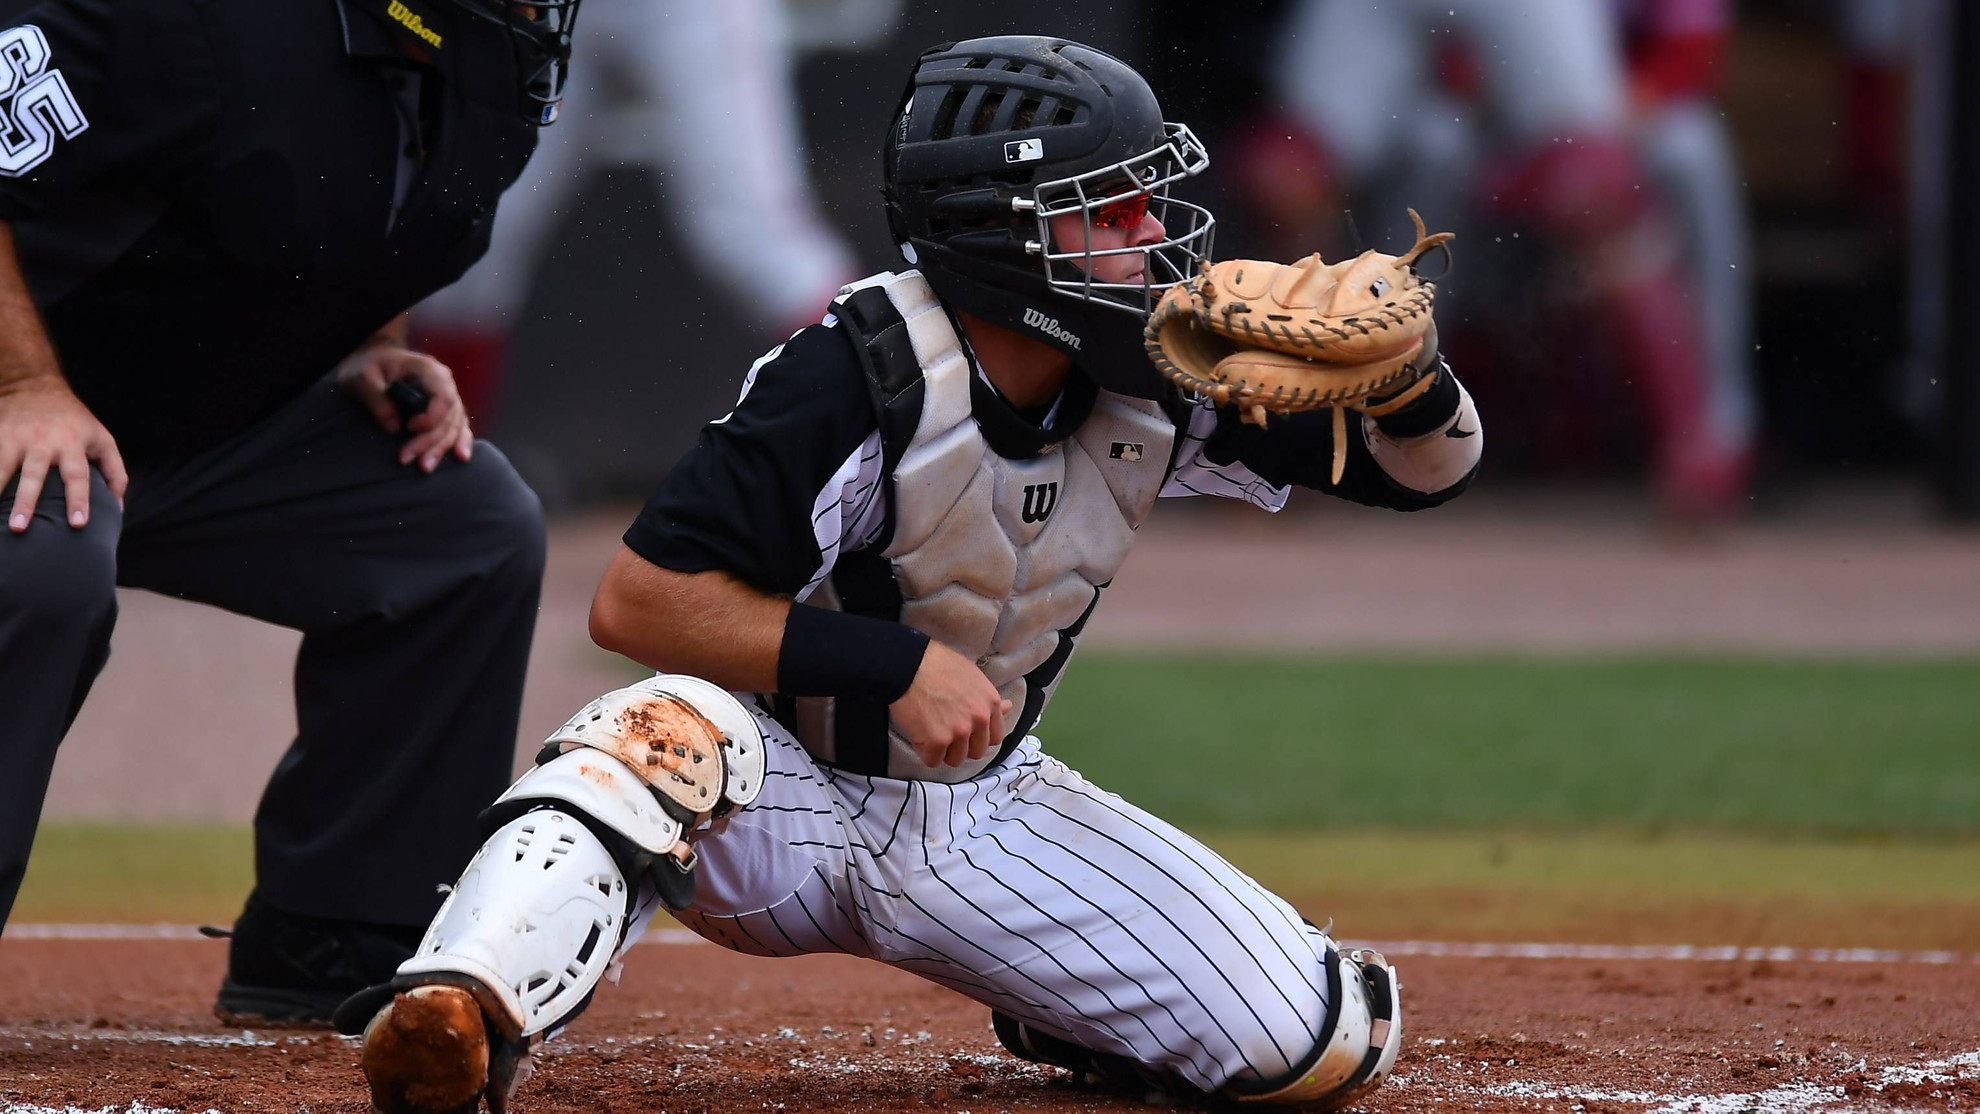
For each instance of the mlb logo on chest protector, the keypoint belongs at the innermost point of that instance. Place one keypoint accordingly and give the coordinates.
(1125, 450)
(1024, 150)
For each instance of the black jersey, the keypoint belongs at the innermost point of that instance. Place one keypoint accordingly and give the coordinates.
(218, 200)
(777, 490)
(791, 488)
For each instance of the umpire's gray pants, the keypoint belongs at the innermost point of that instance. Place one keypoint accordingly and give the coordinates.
(416, 595)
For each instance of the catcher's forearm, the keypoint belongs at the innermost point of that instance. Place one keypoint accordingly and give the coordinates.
(1432, 445)
(707, 624)
(716, 627)
(1418, 457)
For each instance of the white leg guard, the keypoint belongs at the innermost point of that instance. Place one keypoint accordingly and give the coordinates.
(1365, 1026)
(535, 920)
(621, 788)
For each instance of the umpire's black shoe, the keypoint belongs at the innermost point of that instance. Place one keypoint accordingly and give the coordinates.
(285, 970)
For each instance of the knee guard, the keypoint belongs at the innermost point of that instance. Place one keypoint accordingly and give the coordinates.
(1364, 1033)
(686, 752)
(533, 925)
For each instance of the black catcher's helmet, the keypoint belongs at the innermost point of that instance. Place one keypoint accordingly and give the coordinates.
(994, 137)
(540, 39)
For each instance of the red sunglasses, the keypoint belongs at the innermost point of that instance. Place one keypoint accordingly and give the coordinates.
(1128, 212)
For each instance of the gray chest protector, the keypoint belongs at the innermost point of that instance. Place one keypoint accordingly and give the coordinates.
(1000, 558)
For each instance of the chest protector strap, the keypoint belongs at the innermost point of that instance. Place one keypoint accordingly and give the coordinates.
(879, 335)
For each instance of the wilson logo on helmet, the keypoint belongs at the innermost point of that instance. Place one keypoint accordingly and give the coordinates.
(1024, 150)
(414, 23)
(1050, 327)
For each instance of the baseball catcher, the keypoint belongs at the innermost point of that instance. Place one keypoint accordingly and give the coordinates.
(1284, 338)
(861, 590)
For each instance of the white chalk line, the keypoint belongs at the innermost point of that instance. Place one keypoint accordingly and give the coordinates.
(102, 932)
(1799, 1097)
(1391, 948)
(1675, 952)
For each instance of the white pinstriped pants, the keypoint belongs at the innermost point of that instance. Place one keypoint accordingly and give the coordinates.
(1027, 889)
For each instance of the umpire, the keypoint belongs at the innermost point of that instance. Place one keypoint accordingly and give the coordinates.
(213, 217)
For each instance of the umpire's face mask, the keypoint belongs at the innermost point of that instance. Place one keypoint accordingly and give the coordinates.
(540, 40)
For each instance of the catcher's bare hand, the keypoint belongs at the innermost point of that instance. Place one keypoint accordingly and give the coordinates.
(952, 713)
(43, 425)
(437, 430)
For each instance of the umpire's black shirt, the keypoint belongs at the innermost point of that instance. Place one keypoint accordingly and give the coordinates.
(215, 201)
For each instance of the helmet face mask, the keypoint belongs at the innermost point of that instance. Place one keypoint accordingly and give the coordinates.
(540, 40)
(1188, 228)
(995, 142)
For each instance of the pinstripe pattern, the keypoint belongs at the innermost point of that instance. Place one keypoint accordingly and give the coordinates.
(1028, 889)
(847, 511)
(1196, 474)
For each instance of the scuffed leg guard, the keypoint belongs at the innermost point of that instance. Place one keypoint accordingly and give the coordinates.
(1364, 1027)
(1364, 1024)
(525, 937)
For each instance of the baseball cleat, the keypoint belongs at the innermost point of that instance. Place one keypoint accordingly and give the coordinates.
(1101, 1070)
(427, 1052)
(286, 970)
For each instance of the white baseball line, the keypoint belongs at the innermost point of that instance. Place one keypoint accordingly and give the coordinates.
(1788, 1098)
(1391, 948)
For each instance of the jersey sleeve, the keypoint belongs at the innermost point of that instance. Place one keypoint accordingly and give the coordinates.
(1420, 456)
(99, 94)
(772, 491)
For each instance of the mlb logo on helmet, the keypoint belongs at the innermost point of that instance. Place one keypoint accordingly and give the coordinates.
(1024, 150)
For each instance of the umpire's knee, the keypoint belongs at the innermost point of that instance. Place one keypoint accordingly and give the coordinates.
(56, 579)
(501, 520)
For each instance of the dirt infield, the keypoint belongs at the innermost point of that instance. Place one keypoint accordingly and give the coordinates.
(122, 1025)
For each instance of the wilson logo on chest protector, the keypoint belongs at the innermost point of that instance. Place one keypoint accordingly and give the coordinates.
(1050, 327)
(35, 102)
(1039, 499)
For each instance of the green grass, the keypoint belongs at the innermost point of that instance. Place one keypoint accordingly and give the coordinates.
(1699, 800)
(1575, 886)
(126, 873)
(1688, 867)
(1808, 747)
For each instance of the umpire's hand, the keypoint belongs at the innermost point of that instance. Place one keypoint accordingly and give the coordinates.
(440, 428)
(44, 425)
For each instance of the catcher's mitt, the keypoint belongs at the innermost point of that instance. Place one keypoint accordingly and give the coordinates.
(1282, 338)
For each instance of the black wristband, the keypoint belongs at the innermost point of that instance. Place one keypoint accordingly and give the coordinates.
(1431, 410)
(831, 653)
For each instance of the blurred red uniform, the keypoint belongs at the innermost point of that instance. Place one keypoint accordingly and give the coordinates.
(1537, 101)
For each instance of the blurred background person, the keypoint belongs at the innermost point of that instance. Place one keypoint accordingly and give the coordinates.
(1675, 53)
(1527, 118)
(700, 93)
(1896, 134)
